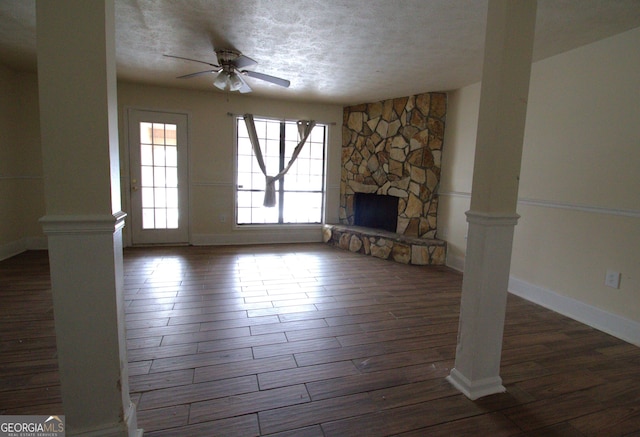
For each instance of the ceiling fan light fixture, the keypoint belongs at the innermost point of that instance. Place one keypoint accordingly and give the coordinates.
(235, 83)
(222, 80)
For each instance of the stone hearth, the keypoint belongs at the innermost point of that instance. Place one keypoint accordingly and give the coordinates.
(386, 245)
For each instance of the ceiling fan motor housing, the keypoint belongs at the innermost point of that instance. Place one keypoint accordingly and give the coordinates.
(226, 56)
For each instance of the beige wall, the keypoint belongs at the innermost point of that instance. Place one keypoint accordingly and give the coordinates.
(579, 194)
(211, 157)
(211, 160)
(21, 185)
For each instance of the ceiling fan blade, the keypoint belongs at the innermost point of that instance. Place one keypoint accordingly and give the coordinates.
(199, 73)
(193, 60)
(243, 61)
(245, 88)
(275, 80)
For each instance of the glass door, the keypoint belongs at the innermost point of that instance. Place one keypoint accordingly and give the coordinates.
(158, 177)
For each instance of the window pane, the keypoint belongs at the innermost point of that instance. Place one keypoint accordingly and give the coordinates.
(145, 133)
(244, 199)
(172, 218)
(273, 129)
(245, 163)
(172, 197)
(303, 167)
(244, 180)
(316, 151)
(146, 154)
(161, 218)
(291, 132)
(160, 197)
(273, 164)
(147, 198)
(244, 216)
(242, 129)
(258, 181)
(158, 133)
(171, 156)
(146, 174)
(244, 146)
(172, 176)
(147, 218)
(272, 148)
(171, 134)
(159, 177)
(317, 135)
(158, 156)
(302, 207)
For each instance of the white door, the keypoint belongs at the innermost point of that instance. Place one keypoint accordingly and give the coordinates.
(159, 175)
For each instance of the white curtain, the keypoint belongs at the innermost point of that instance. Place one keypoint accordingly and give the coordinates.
(304, 129)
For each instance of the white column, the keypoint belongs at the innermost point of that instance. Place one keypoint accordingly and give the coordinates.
(83, 222)
(492, 217)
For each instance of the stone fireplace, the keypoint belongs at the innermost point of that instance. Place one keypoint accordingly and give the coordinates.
(394, 148)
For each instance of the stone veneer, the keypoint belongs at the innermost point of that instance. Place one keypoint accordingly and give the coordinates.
(386, 245)
(393, 147)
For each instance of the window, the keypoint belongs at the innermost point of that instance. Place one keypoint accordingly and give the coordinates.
(159, 175)
(300, 193)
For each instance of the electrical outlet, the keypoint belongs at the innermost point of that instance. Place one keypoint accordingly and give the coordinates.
(223, 218)
(612, 279)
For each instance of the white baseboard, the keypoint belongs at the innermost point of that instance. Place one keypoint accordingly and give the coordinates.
(455, 262)
(620, 327)
(16, 247)
(257, 236)
(12, 249)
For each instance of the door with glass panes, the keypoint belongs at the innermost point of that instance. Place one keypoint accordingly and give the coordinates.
(158, 165)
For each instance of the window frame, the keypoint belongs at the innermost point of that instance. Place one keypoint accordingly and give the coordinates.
(281, 189)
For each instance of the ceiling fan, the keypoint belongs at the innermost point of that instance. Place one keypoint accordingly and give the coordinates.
(230, 70)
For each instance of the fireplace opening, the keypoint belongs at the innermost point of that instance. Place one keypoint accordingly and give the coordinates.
(376, 211)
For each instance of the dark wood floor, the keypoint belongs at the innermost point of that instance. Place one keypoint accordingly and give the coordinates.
(306, 340)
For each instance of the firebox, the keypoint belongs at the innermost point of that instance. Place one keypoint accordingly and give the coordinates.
(376, 211)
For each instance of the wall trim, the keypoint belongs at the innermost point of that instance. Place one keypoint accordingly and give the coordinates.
(580, 207)
(455, 262)
(25, 177)
(16, 247)
(634, 213)
(12, 248)
(620, 327)
(211, 184)
(82, 224)
(259, 236)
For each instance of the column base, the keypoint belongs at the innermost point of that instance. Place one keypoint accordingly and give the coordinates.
(476, 389)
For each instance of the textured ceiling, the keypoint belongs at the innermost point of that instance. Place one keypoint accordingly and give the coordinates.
(333, 51)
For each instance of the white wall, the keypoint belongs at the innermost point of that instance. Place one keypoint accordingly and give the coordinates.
(579, 196)
(211, 157)
(21, 183)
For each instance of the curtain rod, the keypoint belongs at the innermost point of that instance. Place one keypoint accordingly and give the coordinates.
(231, 114)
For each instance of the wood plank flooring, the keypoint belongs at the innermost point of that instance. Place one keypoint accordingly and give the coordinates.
(308, 340)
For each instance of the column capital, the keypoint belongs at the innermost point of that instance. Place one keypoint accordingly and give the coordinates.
(492, 218)
(82, 224)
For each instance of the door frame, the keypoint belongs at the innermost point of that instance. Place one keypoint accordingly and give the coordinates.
(126, 175)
